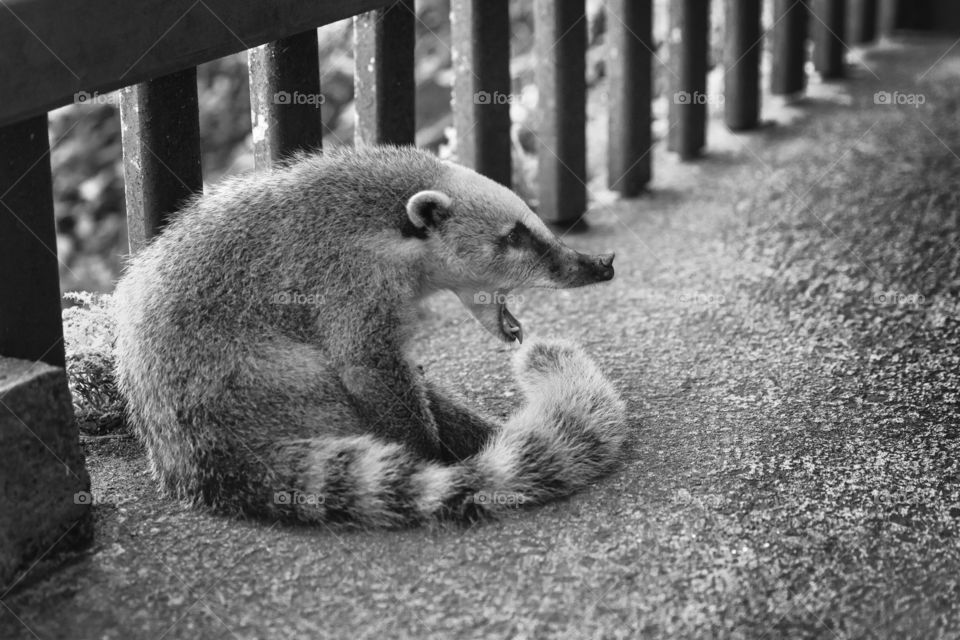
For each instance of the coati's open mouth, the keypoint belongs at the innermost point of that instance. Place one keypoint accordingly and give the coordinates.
(510, 328)
(490, 309)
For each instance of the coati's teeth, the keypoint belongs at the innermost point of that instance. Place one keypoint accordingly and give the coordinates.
(510, 326)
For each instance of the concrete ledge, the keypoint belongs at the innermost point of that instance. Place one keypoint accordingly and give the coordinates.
(44, 486)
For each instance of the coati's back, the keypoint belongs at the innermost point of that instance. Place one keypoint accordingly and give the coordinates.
(192, 305)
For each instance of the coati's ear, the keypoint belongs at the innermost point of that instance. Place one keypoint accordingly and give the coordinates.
(427, 209)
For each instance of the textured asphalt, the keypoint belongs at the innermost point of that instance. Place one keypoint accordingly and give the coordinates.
(784, 325)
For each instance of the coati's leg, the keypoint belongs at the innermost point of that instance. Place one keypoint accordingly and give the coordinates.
(462, 431)
(393, 404)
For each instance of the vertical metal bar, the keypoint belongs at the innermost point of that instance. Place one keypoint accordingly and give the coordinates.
(689, 44)
(161, 151)
(829, 20)
(285, 98)
(889, 17)
(481, 90)
(789, 47)
(862, 21)
(742, 48)
(560, 29)
(629, 65)
(384, 79)
(30, 325)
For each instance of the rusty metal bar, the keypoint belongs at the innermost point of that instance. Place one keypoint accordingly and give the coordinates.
(285, 98)
(161, 151)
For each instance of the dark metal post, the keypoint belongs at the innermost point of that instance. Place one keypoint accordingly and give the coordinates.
(561, 44)
(789, 47)
(689, 44)
(161, 151)
(30, 325)
(629, 66)
(285, 98)
(742, 49)
(481, 90)
(384, 80)
(829, 18)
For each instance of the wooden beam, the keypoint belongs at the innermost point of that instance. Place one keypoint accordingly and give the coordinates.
(161, 151)
(385, 92)
(742, 48)
(630, 94)
(789, 47)
(688, 48)
(30, 326)
(285, 98)
(61, 48)
(560, 31)
(481, 89)
(829, 49)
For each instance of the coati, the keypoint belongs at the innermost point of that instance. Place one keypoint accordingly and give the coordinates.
(262, 346)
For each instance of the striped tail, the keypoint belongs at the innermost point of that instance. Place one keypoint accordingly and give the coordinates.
(571, 432)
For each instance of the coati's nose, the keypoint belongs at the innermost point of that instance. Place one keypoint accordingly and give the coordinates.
(602, 267)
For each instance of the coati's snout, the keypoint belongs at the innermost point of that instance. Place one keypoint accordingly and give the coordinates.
(483, 249)
(574, 269)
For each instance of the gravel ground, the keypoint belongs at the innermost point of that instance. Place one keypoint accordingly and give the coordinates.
(784, 324)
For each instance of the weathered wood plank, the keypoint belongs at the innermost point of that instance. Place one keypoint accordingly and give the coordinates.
(688, 49)
(629, 66)
(829, 25)
(385, 93)
(789, 47)
(481, 90)
(161, 151)
(742, 49)
(102, 45)
(30, 287)
(560, 30)
(285, 98)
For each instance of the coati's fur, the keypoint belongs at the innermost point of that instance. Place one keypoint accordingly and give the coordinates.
(261, 346)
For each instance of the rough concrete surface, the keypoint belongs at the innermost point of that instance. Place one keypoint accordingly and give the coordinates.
(43, 481)
(784, 324)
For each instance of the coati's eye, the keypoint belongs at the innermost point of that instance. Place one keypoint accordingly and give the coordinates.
(515, 236)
